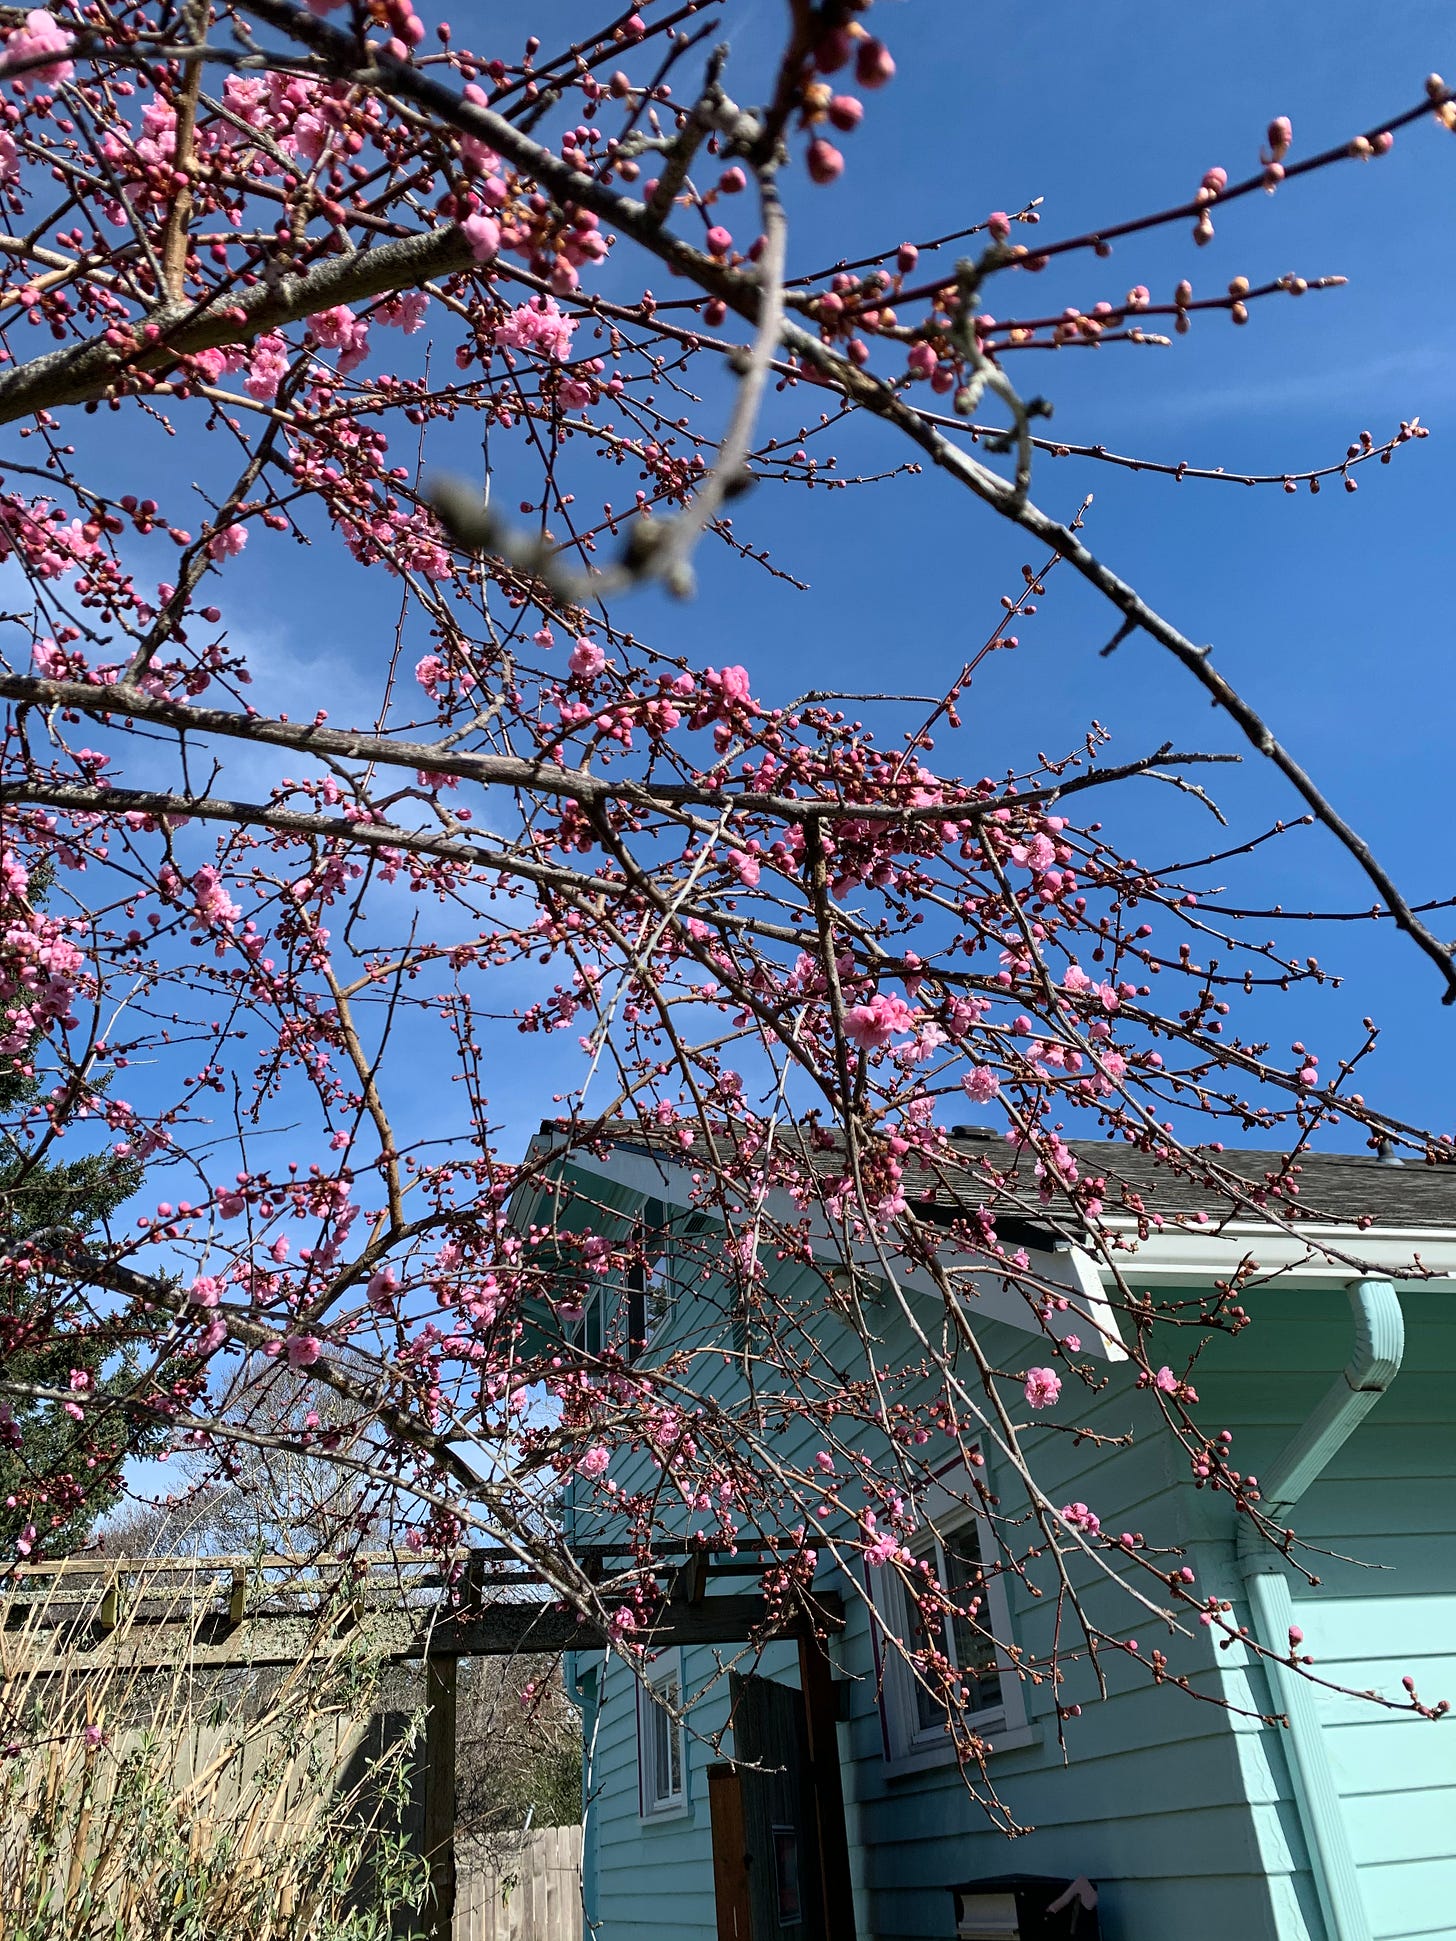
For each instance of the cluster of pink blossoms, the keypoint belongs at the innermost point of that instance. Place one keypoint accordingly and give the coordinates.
(41, 34)
(538, 326)
(41, 967)
(874, 1024)
(339, 329)
(267, 367)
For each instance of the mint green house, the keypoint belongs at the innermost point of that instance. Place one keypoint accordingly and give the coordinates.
(1195, 1820)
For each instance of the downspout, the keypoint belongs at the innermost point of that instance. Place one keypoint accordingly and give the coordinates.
(1372, 1367)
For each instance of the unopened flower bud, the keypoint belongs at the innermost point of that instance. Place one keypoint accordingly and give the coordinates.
(825, 161)
(833, 51)
(1215, 180)
(906, 257)
(846, 112)
(873, 65)
(1281, 135)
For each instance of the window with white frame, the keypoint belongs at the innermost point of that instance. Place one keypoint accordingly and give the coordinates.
(963, 1615)
(661, 1748)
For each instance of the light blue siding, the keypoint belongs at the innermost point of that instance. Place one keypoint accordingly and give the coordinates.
(1181, 1809)
(1385, 1606)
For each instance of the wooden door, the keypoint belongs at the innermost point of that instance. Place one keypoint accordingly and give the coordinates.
(730, 1854)
(783, 1890)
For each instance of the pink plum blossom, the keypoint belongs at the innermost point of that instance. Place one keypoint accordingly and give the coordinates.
(876, 1023)
(538, 326)
(586, 660)
(1043, 1386)
(483, 234)
(41, 34)
(228, 542)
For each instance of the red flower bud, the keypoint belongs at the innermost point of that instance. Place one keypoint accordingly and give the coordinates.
(833, 51)
(825, 161)
(873, 65)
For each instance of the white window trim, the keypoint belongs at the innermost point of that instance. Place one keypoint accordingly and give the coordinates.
(650, 1716)
(909, 1747)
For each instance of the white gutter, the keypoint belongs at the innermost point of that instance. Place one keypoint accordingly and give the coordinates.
(1321, 1254)
(1372, 1367)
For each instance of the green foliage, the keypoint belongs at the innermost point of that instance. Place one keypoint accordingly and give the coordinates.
(51, 1322)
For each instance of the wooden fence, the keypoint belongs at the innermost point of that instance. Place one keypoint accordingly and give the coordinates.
(529, 1890)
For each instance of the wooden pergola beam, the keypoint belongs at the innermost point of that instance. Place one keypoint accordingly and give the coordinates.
(258, 1638)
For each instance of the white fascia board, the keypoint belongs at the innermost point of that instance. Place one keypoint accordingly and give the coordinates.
(644, 1171)
(1312, 1256)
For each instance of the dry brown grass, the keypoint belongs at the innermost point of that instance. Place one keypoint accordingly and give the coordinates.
(138, 1805)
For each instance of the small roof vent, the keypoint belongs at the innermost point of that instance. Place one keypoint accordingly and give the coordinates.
(1387, 1155)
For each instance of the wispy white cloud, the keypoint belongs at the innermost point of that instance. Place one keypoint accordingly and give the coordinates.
(1427, 369)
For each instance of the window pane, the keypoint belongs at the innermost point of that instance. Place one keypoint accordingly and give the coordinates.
(973, 1649)
(925, 1632)
(665, 1741)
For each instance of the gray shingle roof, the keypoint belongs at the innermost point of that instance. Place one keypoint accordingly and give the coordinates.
(976, 1166)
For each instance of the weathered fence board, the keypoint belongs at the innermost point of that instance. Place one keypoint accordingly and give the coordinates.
(531, 1891)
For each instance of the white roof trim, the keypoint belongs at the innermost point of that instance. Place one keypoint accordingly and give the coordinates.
(1311, 1254)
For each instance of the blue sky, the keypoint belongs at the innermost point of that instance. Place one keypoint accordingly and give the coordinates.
(1331, 612)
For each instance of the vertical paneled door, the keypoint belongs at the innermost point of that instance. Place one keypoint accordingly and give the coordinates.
(766, 1868)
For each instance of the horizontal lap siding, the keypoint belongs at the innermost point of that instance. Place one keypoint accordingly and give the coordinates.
(652, 1877)
(1180, 1809)
(1157, 1797)
(1386, 1607)
(1156, 1800)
